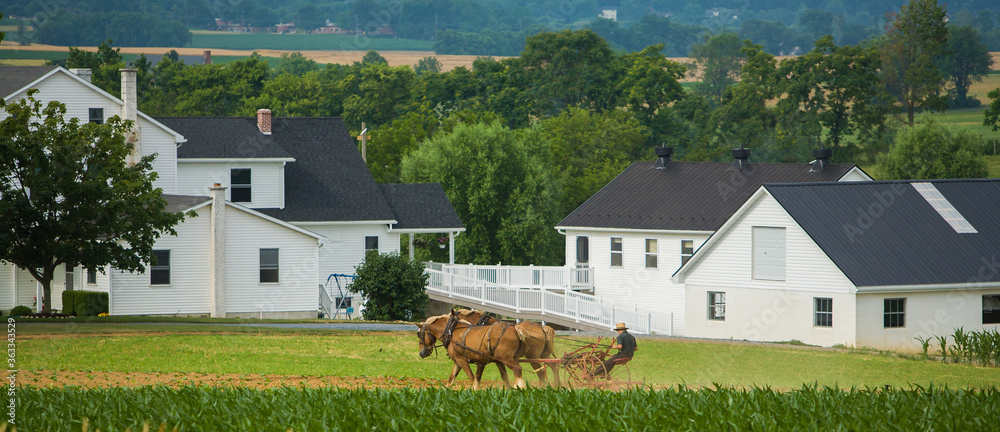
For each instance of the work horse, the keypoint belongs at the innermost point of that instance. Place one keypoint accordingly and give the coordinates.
(539, 341)
(496, 343)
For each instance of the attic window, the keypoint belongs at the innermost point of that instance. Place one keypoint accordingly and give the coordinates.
(944, 208)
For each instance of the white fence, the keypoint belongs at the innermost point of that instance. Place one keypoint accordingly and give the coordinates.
(547, 277)
(581, 308)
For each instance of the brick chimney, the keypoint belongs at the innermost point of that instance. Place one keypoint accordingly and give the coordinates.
(130, 112)
(264, 121)
(83, 73)
(208, 56)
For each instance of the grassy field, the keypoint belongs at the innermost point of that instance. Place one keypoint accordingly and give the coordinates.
(660, 362)
(40, 57)
(303, 42)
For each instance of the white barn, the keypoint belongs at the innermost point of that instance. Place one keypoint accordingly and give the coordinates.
(300, 204)
(642, 226)
(857, 264)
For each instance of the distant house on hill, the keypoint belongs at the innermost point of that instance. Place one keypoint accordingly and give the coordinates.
(640, 228)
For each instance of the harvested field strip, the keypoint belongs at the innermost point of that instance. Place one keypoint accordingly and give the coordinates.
(202, 408)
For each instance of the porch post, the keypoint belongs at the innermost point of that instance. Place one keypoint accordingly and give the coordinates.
(451, 247)
(411, 247)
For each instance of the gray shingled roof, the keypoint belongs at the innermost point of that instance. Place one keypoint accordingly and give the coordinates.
(886, 233)
(695, 196)
(420, 206)
(14, 78)
(179, 203)
(223, 138)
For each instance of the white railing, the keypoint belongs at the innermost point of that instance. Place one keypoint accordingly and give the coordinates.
(539, 277)
(582, 308)
(325, 302)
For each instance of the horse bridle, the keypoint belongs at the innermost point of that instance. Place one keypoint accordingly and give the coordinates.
(421, 334)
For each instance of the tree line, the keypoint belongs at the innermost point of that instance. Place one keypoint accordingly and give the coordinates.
(499, 27)
(518, 143)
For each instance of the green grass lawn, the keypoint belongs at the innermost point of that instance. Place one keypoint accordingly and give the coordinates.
(304, 42)
(222, 350)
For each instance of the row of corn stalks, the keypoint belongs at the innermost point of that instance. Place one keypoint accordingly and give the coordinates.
(972, 347)
(329, 409)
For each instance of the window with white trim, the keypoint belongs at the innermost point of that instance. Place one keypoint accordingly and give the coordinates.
(687, 250)
(96, 115)
(582, 249)
(768, 253)
(894, 313)
(371, 243)
(991, 309)
(269, 266)
(651, 251)
(716, 306)
(239, 185)
(342, 302)
(616, 251)
(92, 277)
(159, 270)
(824, 312)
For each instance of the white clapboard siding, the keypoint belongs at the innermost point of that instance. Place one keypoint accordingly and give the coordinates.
(633, 282)
(296, 289)
(131, 293)
(764, 309)
(27, 289)
(79, 98)
(7, 284)
(267, 179)
(729, 262)
(344, 249)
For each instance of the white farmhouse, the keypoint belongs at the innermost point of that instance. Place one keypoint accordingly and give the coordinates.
(872, 264)
(282, 203)
(642, 226)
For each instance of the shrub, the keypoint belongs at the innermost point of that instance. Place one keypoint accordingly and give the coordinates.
(85, 303)
(20, 311)
(393, 286)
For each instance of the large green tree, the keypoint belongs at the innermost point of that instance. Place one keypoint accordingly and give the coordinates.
(68, 197)
(571, 68)
(968, 62)
(992, 114)
(909, 51)
(501, 187)
(719, 61)
(930, 151)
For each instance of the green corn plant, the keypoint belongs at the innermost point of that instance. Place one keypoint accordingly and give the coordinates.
(943, 346)
(961, 348)
(924, 344)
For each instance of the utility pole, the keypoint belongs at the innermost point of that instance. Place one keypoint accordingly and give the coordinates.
(364, 142)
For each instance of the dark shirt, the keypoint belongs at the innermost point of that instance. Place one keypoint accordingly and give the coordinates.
(627, 342)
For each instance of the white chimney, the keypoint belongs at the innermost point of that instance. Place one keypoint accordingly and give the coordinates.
(264, 121)
(130, 112)
(83, 73)
(217, 239)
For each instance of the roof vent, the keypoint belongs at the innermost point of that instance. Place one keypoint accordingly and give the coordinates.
(741, 160)
(822, 160)
(663, 157)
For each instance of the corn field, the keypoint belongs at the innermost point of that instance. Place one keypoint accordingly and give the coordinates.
(972, 347)
(328, 409)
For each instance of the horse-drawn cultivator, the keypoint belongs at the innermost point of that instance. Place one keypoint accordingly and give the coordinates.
(493, 341)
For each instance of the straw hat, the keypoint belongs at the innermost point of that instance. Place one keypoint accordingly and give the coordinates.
(620, 326)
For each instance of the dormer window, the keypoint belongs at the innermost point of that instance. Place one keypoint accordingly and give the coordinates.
(97, 115)
(239, 185)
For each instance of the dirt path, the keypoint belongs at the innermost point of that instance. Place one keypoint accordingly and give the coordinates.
(48, 378)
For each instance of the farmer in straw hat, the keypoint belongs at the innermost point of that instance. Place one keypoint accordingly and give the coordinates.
(624, 343)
